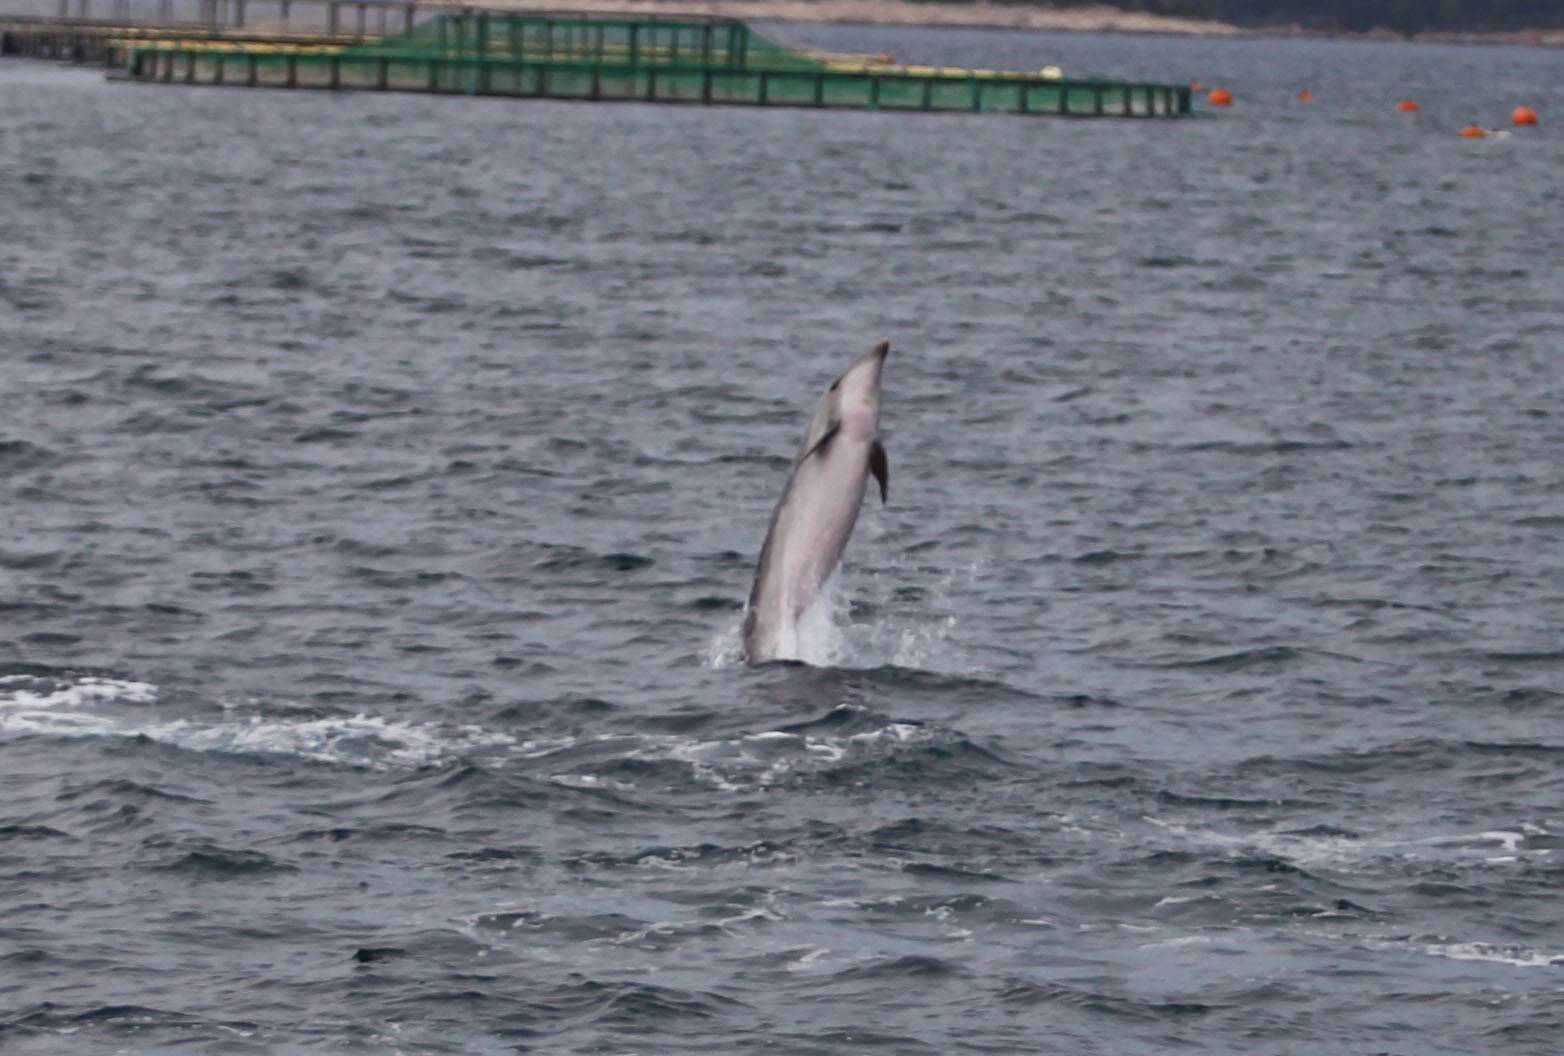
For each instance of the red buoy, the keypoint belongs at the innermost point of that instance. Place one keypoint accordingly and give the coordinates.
(1306, 96)
(1407, 106)
(1220, 97)
(1524, 115)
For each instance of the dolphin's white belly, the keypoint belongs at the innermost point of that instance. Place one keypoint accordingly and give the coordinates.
(818, 520)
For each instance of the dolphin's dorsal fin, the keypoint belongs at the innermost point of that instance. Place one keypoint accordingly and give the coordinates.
(880, 466)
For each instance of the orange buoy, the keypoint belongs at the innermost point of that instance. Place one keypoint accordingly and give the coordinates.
(1474, 131)
(1524, 115)
(1407, 106)
(1306, 96)
(1220, 97)
(1196, 86)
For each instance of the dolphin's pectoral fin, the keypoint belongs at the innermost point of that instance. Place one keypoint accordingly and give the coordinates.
(880, 466)
(825, 440)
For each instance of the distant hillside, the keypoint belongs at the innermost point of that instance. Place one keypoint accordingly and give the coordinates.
(1402, 16)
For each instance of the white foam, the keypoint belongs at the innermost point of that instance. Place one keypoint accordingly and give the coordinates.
(35, 705)
(15, 693)
(901, 732)
(362, 740)
(1517, 956)
(727, 764)
(591, 781)
(94, 707)
(1312, 850)
(810, 959)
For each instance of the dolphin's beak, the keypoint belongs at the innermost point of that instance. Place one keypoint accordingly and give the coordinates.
(873, 362)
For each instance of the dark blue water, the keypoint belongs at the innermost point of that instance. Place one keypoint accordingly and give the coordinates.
(381, 476)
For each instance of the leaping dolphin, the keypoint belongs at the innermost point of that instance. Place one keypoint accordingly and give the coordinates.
(818, 508)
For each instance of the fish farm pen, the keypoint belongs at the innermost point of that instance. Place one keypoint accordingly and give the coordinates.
(416, 47)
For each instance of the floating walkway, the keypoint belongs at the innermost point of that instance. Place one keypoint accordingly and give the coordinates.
(602, 58)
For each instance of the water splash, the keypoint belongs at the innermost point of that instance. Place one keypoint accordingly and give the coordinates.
(826, 635)
(820, 635)
(726, 647)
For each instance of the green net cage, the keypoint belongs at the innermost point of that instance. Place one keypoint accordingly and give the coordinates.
(666, 60)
